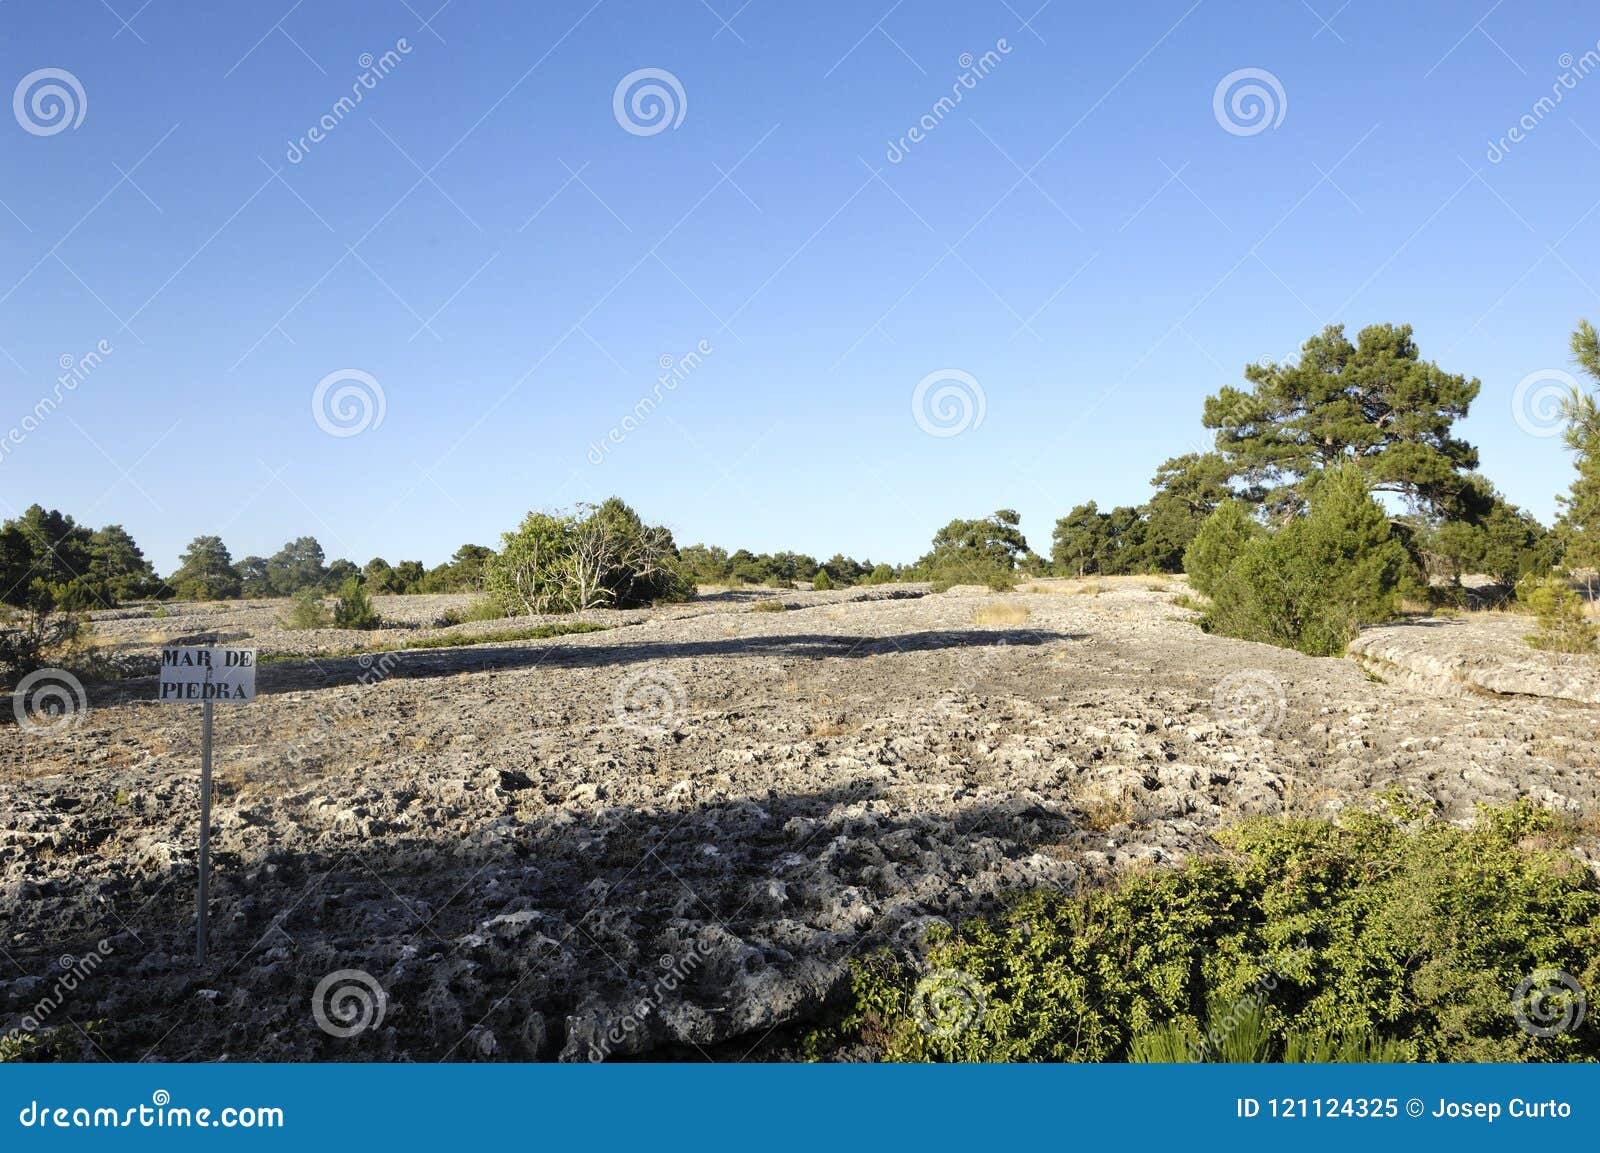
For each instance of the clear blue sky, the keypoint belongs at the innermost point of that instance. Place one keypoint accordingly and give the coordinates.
(480, 234)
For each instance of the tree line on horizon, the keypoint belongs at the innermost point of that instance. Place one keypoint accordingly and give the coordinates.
(1351, 420)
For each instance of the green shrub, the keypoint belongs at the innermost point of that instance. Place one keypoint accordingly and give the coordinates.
(769, 606)
(881, 575)
(354, 610)
(307, 611)
(1315, 582)
(1373, 936)
(1563, 627)
(1221, 538)
(602, 556)
(821, 582)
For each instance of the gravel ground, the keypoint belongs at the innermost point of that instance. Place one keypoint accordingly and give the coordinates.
(669, 837)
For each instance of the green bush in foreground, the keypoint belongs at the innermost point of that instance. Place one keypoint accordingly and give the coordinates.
(1374, 937)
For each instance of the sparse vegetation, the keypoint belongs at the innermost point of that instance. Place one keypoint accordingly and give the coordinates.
(353, 609)
(1009, 613)
(1381, 935)
(1562, 625)
(307, 611)
(448, 641)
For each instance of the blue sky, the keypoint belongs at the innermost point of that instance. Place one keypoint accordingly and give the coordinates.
(508, 264)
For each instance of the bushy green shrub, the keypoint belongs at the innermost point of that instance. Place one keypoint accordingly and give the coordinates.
(307, 611)
(353, 609)
(1315, 582)
(821, 582)
(1563, 627)
(602, 556)
(1218, 543)
(1385, 934)
(881, 575)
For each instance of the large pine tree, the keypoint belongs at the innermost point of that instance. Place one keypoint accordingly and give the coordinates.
(1374, 403)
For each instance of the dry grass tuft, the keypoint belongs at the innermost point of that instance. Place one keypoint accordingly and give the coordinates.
(1001, 613)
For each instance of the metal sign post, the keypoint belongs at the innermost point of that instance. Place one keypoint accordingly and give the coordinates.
(205, 834)
(206, 674)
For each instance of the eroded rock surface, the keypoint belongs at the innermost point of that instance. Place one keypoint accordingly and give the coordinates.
(673, 835)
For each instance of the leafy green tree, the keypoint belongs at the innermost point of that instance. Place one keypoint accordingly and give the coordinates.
(821, 582)
(117, 566)
(1375, 403)
(466, 566)
(843, 571)
(254, 580)
(205, 571)
(995, 538)
(47, 581)
(881, 575)
(379, 575)
(1079, 546)
(1317, 580)
(705, 565)
(1579, 524)
(299, 564)
(1222, 537)
(601, 556)
(337, 573)
(527, 576)
(1503, 542)
(49, 547)
(408, 576)
(1188, 489)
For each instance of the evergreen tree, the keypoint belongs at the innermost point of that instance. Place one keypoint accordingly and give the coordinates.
(205, 571)
(1375, 403)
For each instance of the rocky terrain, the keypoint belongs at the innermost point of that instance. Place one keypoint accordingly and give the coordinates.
(669, 837)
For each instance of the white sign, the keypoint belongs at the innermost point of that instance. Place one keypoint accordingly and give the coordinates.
(208, 674)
